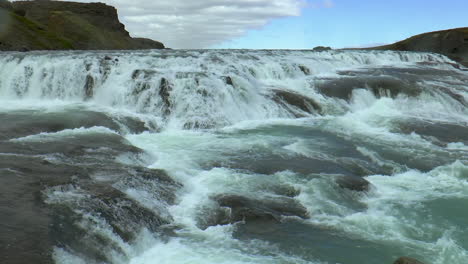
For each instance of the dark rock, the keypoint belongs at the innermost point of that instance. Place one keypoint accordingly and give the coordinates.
(407, 260)
(303, 103)
(267, 209)
(321, 48)
(89, 86)
(441, 133)
(380, 86)
(25, 123)
(304, 69)
(32, 226)
(353, 183)
(25, 220)
(452, 43)
(228, 80)
(107, 58)
(143, 74)
(165, 89)
(144, 43)
(312, 242)
(389, 82)
(124, 215)
(73, 220)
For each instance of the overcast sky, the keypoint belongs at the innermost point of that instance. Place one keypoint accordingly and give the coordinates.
(290, 24)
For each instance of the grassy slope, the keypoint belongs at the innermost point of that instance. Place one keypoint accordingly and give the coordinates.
(84, 34)
(66, 31)
(22, 32)
(42, 37)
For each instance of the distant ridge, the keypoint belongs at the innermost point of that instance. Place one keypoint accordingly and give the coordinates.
(58, 25)
(452, 43)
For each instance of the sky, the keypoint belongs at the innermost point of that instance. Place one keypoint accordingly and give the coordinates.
(286, 24)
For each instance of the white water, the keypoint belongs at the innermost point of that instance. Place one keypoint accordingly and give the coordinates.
(131, 81)
(401, 213)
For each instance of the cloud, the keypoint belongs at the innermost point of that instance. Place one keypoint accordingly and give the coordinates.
(323, 4)
(328, 4)
(199, 23)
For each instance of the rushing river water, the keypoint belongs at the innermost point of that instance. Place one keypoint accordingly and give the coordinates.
(233, 157)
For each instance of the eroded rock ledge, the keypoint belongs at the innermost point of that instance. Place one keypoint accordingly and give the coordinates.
(57, 25)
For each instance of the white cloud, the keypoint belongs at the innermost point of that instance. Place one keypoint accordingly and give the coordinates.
(199, 23)
(323, 4)
(328, 4)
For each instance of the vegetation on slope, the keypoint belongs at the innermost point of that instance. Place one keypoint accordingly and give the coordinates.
(51, 25)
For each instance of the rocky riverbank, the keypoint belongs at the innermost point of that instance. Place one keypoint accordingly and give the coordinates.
(54, 25)
(452, 43)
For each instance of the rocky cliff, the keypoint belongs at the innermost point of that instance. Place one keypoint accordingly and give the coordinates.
(57, 25)
(452, 43)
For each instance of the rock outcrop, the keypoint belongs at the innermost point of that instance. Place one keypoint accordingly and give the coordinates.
(452, 43)
(407, 260)
(321, 48)
(247, 209)
(57, 25)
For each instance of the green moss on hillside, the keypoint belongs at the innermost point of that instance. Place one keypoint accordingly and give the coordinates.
(57, 25)
(39, 35)
(81, 32)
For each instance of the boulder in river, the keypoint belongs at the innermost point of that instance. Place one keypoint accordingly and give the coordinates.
(303, 103)
(267, 209)
(407, 260)
(353, 183)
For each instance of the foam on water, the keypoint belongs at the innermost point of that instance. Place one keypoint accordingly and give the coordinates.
(398, 211)
(222, 107)
(231, 86)
(44, 137)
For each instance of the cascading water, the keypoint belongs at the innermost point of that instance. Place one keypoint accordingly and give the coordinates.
(233, 156)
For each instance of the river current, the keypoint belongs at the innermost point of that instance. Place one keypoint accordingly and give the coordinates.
(233, 156)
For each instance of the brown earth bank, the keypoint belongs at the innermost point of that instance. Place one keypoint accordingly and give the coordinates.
(452, 43)
(57, 25)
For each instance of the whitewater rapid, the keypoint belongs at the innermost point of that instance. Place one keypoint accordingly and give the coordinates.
(328, 157)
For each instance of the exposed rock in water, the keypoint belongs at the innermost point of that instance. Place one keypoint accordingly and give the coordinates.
(301, 102)
(143, 74)
(353, 183)
(389, 82)
(321, 48)
(126, 218)
(25, 123)
(304, 69)
(165, 89)
(439, 133)
(228, 80)
(407, 260)
(58, 25)
(71, 185)
(89, 86)
(380, 86)
(269, 209)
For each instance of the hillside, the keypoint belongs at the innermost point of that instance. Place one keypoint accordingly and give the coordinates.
(54, 25)
(452, 43)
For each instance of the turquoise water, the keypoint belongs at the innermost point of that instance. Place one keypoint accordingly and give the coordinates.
(237, 156)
